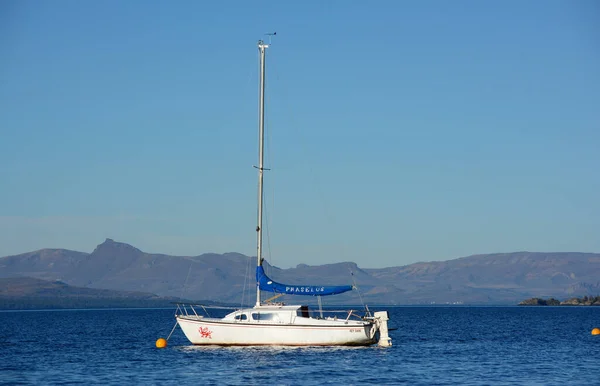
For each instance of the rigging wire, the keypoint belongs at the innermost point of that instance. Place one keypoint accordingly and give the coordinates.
(366, 307)
(268, 218)
(268, 129)
(186, 280)
(245, 287)
(268, 140)
(247, 275)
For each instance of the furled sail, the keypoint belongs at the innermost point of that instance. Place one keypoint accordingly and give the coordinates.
(266, 284)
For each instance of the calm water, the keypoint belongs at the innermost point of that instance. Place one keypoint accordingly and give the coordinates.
(432, 346)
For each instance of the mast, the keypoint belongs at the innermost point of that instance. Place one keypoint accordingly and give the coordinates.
(261, 143)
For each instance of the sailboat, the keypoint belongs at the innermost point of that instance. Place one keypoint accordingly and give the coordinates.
(278, 324)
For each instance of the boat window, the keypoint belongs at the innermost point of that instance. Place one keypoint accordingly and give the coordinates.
(265, 316)
(303, 311)
(241, 317)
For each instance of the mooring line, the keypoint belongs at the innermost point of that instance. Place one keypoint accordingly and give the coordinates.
(172, 331)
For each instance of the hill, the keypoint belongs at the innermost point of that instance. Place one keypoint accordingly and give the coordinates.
(584, 301)
(505, 278)
(31, 293)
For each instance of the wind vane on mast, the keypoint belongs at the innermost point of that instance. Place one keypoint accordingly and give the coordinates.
(270, 35)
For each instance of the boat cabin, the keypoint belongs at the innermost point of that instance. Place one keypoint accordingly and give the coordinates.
(272, 314)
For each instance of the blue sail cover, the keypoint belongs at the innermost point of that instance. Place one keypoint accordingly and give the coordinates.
(269, 285)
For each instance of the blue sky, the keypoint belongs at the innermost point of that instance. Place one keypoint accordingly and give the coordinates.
(397, 131)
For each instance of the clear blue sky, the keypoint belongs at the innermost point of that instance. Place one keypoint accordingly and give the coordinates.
(398, 131)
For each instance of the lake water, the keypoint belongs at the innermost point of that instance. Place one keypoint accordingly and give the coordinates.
(432, 346)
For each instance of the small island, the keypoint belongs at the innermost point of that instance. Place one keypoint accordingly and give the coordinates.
(584, 301)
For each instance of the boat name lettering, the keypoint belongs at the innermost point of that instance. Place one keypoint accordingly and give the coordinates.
(305, 289)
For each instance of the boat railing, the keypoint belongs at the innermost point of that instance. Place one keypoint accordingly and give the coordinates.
(193, 310)
(189, 309)
(344, 315)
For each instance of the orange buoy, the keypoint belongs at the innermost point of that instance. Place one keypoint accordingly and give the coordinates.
(161, 343)
(596, 331)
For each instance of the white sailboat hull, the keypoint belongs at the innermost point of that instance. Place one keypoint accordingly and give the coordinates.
(209, 331)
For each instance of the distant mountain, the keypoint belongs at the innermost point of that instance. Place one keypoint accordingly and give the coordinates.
(498, 278)
(27, 292)
(481, 279)
(120, 266)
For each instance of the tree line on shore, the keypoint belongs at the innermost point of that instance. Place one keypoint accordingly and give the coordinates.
(584, 301)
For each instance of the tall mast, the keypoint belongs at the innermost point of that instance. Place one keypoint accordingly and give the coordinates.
(261, 143)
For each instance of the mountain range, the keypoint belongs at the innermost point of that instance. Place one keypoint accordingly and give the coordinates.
(501, 278)
(30, 293)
